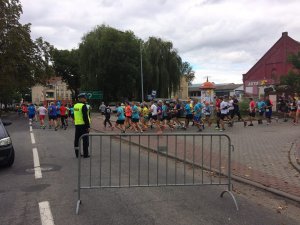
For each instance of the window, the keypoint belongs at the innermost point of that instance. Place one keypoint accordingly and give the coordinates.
(249, 90)
(49, 94)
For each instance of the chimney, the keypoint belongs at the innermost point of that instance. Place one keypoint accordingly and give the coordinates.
(284, 34)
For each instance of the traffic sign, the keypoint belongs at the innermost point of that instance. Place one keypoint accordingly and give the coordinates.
(153, 93)
(93, 94)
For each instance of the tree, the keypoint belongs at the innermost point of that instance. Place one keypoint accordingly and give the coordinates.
(66, 65)
(187, 72)
(163, 67)
(23, 62)
(292, 80)
(295, 60)
(109, 61)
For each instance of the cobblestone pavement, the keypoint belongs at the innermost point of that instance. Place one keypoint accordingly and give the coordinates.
(261, 152)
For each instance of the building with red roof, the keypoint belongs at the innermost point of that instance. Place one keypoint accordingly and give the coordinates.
(273, 65)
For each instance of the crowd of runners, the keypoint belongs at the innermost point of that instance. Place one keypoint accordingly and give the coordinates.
(58, 114)
(168, 114)
(162, 114)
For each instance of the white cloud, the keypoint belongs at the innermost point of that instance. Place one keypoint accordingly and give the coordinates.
(221, 38)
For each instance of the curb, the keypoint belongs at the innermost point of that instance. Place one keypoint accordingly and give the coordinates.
(242, 180)
(269, 189)
(294, 159)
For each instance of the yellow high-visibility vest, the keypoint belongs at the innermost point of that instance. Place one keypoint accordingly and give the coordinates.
(78, 116)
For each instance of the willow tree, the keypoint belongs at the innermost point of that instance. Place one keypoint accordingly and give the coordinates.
(163, 67)
(110, 62)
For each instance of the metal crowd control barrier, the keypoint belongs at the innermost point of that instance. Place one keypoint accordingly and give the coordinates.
(155, 160)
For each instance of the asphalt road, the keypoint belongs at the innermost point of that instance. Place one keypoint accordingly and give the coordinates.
(21, 194)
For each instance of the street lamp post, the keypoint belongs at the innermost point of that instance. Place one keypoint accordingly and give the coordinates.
(142, 82)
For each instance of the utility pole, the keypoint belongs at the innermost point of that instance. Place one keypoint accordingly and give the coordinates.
(142, 77)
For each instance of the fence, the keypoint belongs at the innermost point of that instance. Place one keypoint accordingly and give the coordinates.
(151, 160)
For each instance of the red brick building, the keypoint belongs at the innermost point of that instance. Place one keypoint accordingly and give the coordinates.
(274, 64)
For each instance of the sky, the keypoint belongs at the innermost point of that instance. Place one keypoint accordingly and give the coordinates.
(221, 39)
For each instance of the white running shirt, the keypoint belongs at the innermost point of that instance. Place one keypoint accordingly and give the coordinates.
(153, 110)
(42, 110)
(223, 106)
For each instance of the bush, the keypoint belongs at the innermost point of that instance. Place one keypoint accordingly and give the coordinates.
(244, 106)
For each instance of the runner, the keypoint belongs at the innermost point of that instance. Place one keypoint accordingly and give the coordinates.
(52, 112)
(121, 118)
(31, 113)
(261, 106)
(251, 112)
(58, 104)
(42, 113)
(135, 118)
(107, 113)
(167, 115)
(67, 114)
(230, 111)
(283, 108)
(207, 113)
(218, 112)
(293, 108)
(24, 110)
(268, 113)
(102, 108)
(159, 121)
(128, 114)
(224, 112)
(177, 111)
(189, 114)
(71, 112)
(153, 114)
(144, 116)
(236, 108)
(63, 116)
(197, 115)
(231, 107)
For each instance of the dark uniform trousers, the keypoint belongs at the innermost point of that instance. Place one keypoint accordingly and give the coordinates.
(80, 130)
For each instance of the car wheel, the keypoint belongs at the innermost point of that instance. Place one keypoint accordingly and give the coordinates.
(11, 159)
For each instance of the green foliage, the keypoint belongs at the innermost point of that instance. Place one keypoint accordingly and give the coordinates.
(23, 62)
(66, 65)
(110, 62)
(163, 70)
(292, 79)
(244, 106)
(187, 72)
(295, 60)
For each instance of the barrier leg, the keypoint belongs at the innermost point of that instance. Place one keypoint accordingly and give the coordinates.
(233, 198)
(77, 207)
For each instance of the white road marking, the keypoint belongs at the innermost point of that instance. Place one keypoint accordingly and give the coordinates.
(32, 138)
(30, 128)
(36, 163)
(45, 212)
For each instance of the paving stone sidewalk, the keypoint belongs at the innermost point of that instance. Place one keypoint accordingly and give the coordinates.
(262, 153)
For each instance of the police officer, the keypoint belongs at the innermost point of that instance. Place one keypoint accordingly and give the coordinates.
(82, 124)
